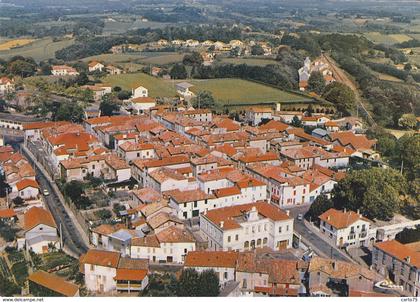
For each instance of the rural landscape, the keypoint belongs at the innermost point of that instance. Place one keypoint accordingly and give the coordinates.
(210, 148)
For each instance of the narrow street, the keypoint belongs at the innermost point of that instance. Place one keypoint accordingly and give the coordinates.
(319, 245)
(71, 237)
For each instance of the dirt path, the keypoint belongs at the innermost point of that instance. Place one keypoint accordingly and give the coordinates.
(342, 77)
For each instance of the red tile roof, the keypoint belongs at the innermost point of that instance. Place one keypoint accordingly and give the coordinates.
(54, 283)
(228, 215)
(211, 259)
(340, 219)
(400, 251)
(36, 216)
(124, 274)
(101, 258)
(24, 183)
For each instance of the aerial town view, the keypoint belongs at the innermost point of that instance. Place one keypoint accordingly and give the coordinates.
(209, 148)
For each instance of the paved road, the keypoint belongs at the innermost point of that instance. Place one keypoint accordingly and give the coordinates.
(71, 237)
(312, 239)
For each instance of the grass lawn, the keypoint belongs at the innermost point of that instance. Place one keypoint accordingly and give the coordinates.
(399, 133)
(156, 86)
(15, 43)
(249, 61)
(42, 49)
(115, 58)
(143, 58)
(237, 91)
(386, 77)
(162, 58)
(377, 37)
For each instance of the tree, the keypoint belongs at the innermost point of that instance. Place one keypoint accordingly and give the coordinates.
(108, 106)
(103, 214)
(73, 189)
(375, 192)
(320, 205)
(123, 95)
(316, 82)
(83, 202)
(257, 50)
(82, 79)
(4, 186)
(178, 71)
(189, 283)
(204, 99)
(407, 121)
(341, 95)
(408, 149)
(193, 59)
(209, 284)
(296, 122)
(408, 67)
(69, 111)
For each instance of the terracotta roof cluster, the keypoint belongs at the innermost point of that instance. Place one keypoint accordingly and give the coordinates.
(354, 141)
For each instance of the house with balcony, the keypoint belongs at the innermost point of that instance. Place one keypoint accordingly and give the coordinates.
(345, 228)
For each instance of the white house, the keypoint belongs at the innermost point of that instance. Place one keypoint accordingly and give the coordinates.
(7, 85)
(63, 70)
(345, 228)
(40, 230)
(130, 151)
(256, 115)
(184, 89)
(95, 66)
(140, 92)
(247, 227)
(170, 245)
(107, 272)
(140, 105)
(26, 189)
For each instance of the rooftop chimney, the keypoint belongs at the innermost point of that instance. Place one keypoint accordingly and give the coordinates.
(287, 212)
(408, 259)
(222, 223)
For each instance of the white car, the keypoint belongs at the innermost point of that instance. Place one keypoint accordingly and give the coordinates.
(46, 192)
(300, 217)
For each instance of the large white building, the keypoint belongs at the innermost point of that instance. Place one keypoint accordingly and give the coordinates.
(345, 228)
(246, 227)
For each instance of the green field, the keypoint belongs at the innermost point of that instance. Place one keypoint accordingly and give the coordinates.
(156, 86)
(237, 91)
(225, 91)
(143, 58)
(249, 61)
(40, 50)
(379, 38)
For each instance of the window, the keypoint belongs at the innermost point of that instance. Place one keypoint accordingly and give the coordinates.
(246, 244)
(195, 204)
(225, 275)
(92, 267)
(228, 238)
(287, 228)
(258, 242)
(265, 240)
(236, 237)
(279, 229)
